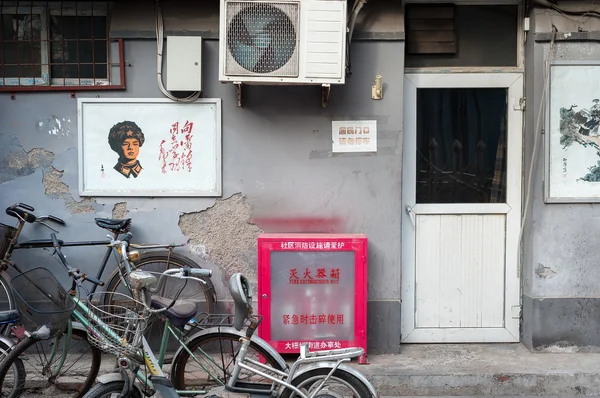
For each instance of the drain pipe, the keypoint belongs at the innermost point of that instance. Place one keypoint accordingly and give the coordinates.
(358, 5)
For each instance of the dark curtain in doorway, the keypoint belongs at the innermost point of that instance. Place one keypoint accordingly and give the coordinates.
(461, 145)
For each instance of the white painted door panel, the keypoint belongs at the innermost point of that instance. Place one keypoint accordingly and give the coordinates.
(460, 279)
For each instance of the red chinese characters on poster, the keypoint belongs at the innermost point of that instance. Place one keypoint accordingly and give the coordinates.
(176, 153)
(313, 319)
(322, 276)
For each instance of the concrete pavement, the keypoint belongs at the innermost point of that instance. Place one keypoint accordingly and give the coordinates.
(474, 370)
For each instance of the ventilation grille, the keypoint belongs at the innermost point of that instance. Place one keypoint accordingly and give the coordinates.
(262, 39)
(430, 29)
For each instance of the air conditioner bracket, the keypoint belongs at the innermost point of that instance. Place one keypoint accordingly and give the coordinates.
(238, 86)
(325, 90)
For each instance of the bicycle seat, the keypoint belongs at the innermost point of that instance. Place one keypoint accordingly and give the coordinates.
(180, 313)
(239, 287)
(117, 226)
(9, 316)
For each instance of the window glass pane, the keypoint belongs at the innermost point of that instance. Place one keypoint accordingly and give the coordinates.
(461, 145)
(477, 26)
(74, 50)
(20, 45)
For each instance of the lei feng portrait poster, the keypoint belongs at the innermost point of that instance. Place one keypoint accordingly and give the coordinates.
(149, 147)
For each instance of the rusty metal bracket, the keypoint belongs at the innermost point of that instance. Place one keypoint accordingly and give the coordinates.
(73, 94)
(325, 91)
(238, 86)
(13, 95)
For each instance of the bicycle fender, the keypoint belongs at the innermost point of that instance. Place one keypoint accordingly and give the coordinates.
(255, 339)
(344, 367)
(109, 377)
(163, 386)
(6, 341)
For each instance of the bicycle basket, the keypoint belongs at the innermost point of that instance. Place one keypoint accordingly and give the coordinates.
(117, 327)
(44, 305)
(6, 234)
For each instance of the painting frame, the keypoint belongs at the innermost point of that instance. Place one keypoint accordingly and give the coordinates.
(212, 189)
(558, 139)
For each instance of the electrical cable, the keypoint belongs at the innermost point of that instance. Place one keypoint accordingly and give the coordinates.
(537, 133)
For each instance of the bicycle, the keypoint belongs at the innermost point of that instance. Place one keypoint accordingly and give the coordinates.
(157, 257)
(309, 377)
(108, 327)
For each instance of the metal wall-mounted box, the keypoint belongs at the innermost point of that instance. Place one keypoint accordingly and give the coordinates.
(312, 288)
(184, 63)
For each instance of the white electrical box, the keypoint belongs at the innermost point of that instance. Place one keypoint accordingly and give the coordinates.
(184, 63)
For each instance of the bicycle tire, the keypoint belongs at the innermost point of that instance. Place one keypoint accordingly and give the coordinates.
(178, 366)
(164, 256)
(19, 368)
(113, 387)
(28, 342)
(316, 375)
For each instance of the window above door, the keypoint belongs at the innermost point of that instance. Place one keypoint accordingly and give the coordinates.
(454, 34)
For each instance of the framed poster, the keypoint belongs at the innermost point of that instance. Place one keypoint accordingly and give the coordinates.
(572, 166)
(149, 147)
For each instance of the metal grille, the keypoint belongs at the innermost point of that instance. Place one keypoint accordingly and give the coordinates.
(58, 45)
(262, 39)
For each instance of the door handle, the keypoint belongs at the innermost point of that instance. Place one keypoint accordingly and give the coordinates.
(411, 214)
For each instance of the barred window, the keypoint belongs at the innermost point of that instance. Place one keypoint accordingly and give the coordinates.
(58, 45)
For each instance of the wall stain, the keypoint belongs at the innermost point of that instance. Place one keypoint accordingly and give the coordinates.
(21, 163)
(544, 272)
(120, 211)
(223, 235)
(57, 189)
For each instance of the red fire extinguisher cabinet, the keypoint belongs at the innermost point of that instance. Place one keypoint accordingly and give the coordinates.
(313, 288)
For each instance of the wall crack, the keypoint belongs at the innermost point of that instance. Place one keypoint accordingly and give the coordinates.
(22, 163)
(224, 235)
(57, 189)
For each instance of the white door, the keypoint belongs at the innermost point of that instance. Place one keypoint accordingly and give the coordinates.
(462, 207)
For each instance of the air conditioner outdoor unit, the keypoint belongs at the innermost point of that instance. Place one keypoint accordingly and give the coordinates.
(282, 42)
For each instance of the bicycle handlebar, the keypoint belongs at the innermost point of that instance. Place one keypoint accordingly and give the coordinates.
(24, 212)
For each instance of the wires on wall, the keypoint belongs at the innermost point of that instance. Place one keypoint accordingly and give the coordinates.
(537, 133)
(159, 61)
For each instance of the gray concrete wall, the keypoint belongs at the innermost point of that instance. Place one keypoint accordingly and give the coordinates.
(277, 161)
(561, 292)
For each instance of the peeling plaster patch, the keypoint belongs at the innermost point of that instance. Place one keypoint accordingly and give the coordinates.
(223, 235)
(57, 189)
(544, 272)
(54, 125)
(19, 164)
(120, 211)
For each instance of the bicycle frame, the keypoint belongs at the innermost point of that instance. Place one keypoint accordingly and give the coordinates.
(104, 263)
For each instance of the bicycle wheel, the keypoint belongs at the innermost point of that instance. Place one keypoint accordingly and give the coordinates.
(107, 390)
(14, 377)
(43, 371)
(340, 384)
(157, 262)
(215, 359)
(6, 303)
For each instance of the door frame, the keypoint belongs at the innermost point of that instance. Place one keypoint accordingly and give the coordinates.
(512, 208)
